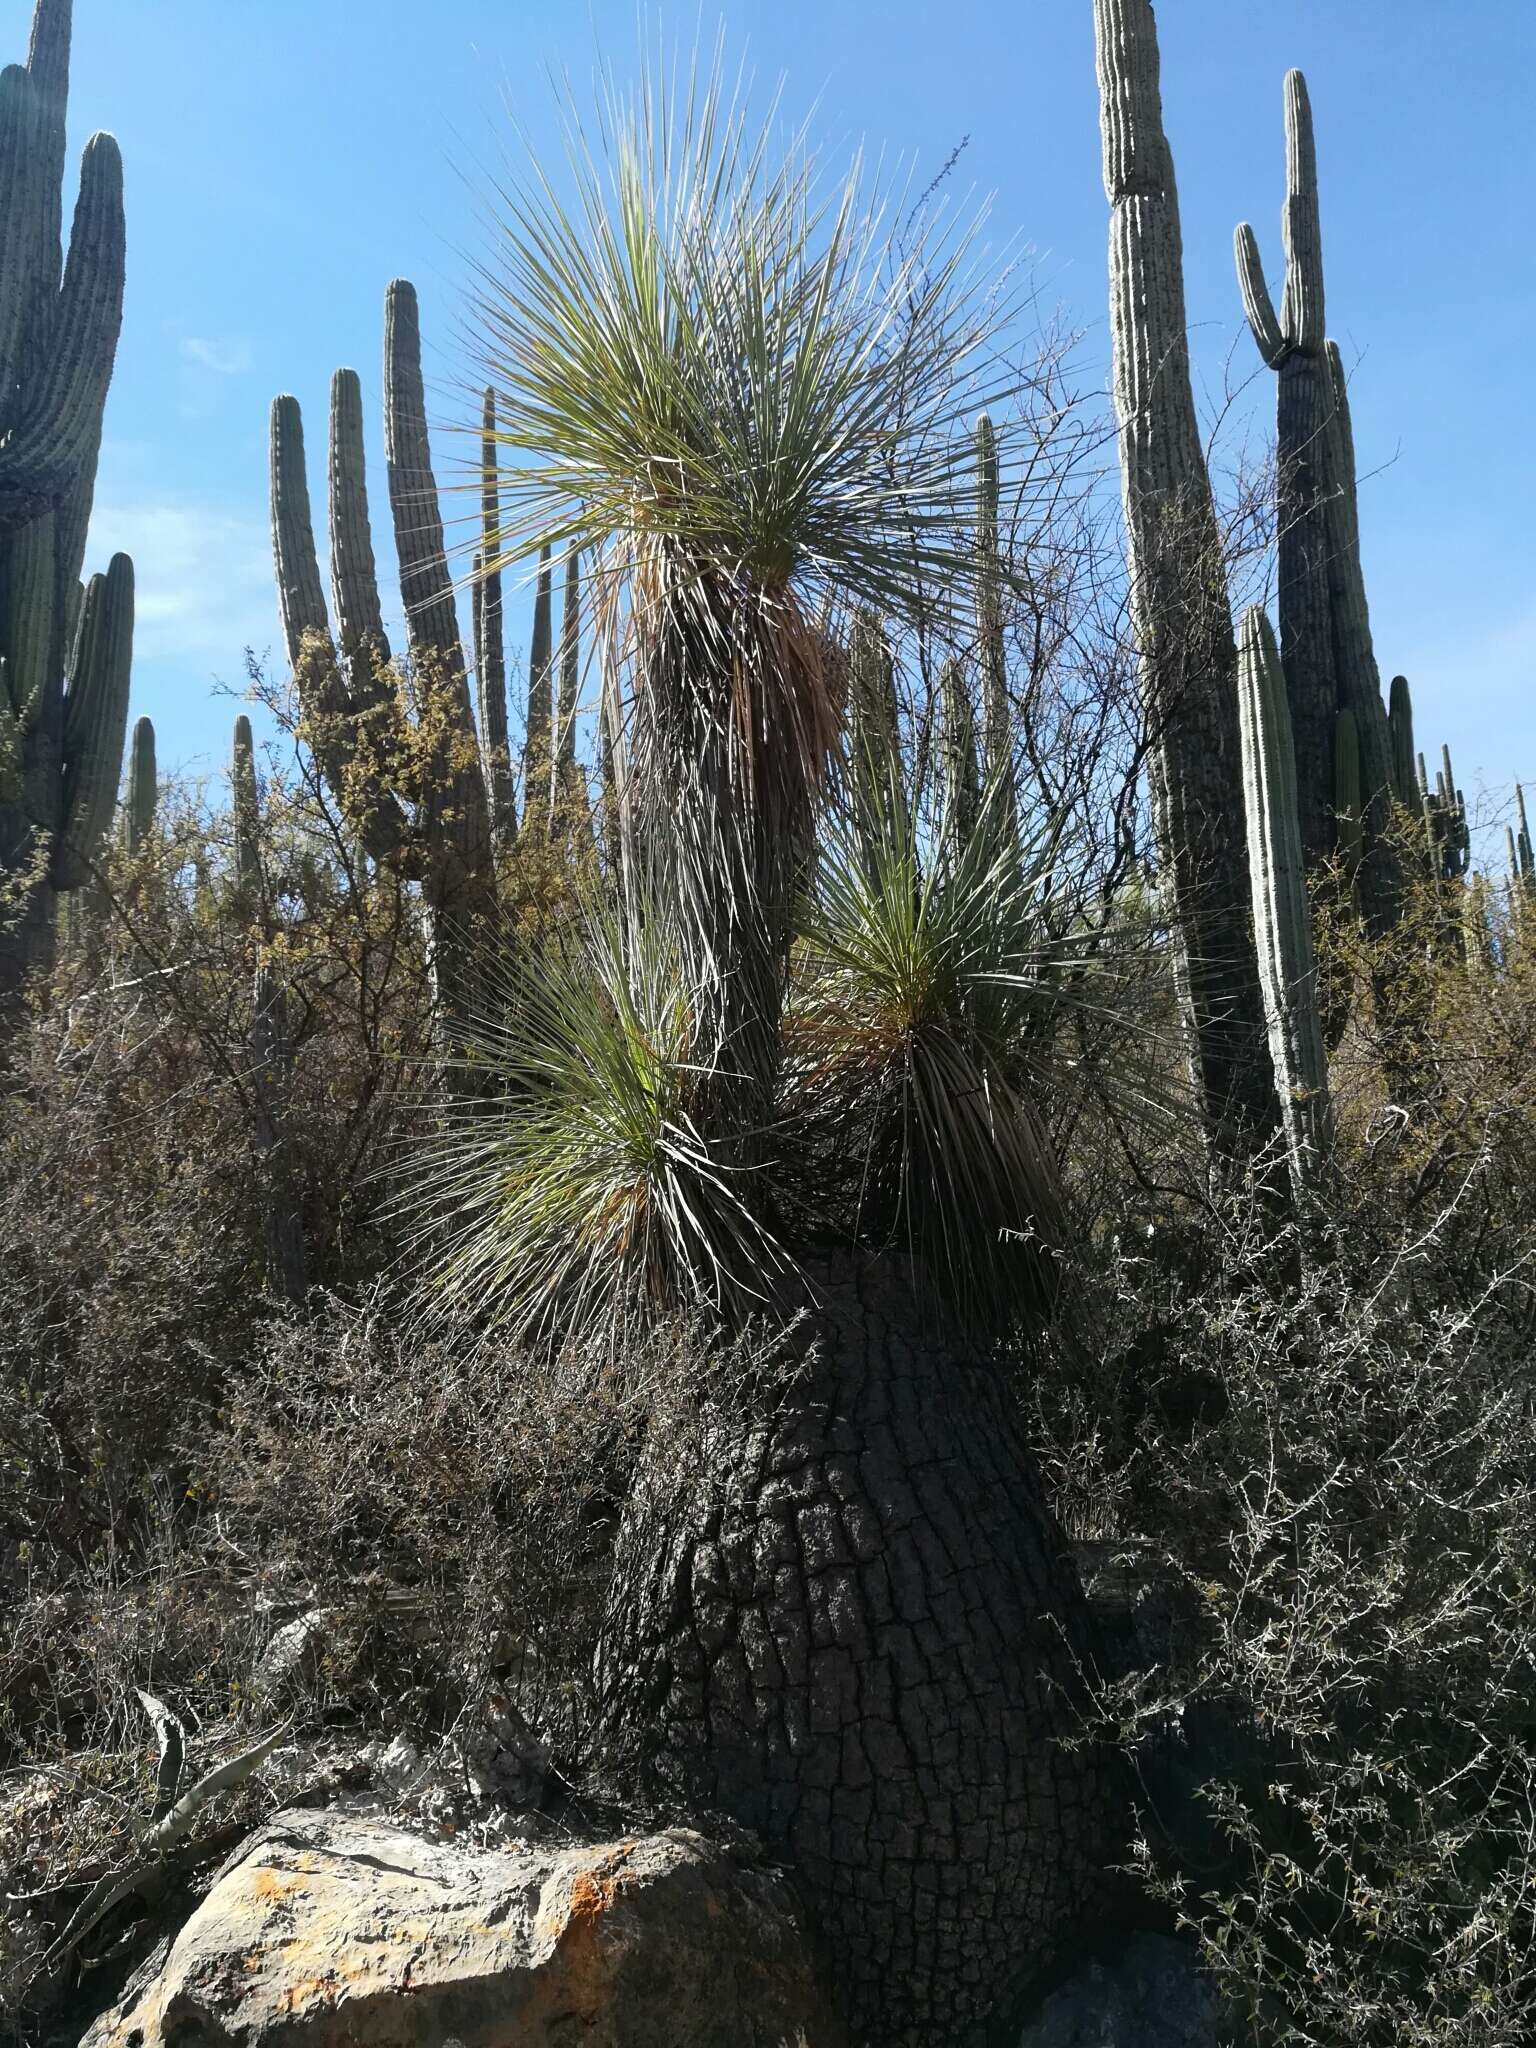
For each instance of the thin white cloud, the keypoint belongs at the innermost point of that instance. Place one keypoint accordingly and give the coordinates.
(202, 575)
(230, 357)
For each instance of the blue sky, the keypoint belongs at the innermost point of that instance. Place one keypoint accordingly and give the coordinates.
(286, 158)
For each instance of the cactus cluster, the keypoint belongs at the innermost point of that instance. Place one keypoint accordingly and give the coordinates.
(427, 788)
(65, 652)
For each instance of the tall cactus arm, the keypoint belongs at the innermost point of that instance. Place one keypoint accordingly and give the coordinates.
(1348, 794)
(1405, 780)
(23, 121)
(962, 770)
(27, 622)
(1281, 917)
(1302, 315)
(426, 587)
(568, 684)
(1523, 842)
(307, 635)
(143, 785)
(245, 807)
(1263, 321)
(63, 396)
(490, 644)
(1359, 679)
(93, 762)
(458, 810)
(354, 577)
(1306, 486)
(48, 67)
(300, 597)
(538, 761)
(997, 737)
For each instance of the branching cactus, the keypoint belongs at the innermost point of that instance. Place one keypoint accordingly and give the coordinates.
(1446, 831)
(414, 782)
(271, 1069)
(1180, 609)
(64, 655)
(1292, 343)
(1282, 920)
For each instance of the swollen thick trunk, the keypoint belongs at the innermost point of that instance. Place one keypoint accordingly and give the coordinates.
(851, 1624)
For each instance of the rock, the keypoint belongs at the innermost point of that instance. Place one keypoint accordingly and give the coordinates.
(291, 1656)
(1149, 1993)
(327, 1929)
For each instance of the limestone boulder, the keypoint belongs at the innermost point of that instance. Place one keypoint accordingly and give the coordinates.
(326, 1930)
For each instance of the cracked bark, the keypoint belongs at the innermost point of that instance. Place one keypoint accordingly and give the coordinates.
(853, 1626)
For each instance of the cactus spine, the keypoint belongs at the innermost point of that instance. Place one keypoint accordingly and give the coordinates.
(271, 1044)
(64, 656)
(444, 836)
(1180, 610)
(1281, 917)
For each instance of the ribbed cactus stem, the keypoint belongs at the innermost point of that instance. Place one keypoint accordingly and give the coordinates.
(354, 576)
(1523, 848)
(1281, 914)
(459, 805)
(245, 814)
(143, 787)
(490, 644)
(326, 708)
(95, 719)
(1405, 781)
(64, 659)
(1180, 612)
(962, 769)
(538, 757)
(1348, 803)
(997, 734)
(1313, 526)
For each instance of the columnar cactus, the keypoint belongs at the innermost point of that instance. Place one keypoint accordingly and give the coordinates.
(271, 1069)
(1180, 609)
(1405, 781)
(538, 748)
(64, 657)
(490, 646)
(1446, 831)
(419, 799)
(996, 735)
(1282, 920)
(1292, 343)
(143, 787)
(962, 767)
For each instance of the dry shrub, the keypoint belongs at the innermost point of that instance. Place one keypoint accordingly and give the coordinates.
(1330, 1483)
